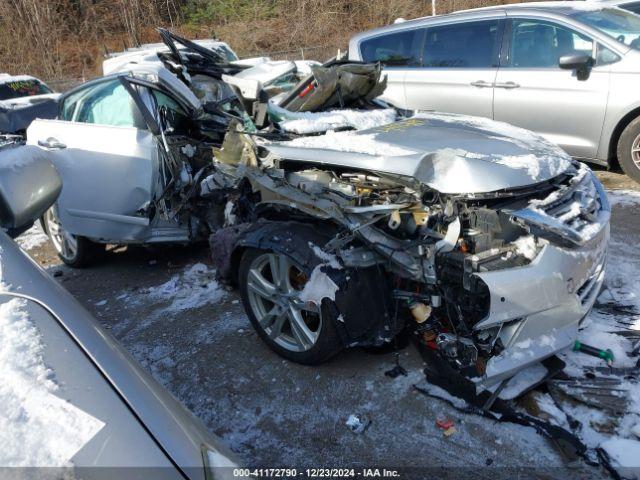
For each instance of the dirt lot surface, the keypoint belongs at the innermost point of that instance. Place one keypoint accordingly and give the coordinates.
(191, 333)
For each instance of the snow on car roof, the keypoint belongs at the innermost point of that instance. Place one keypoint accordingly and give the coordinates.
(6, 78)
(160, 46)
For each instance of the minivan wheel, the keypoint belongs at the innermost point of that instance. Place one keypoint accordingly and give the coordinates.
(629, 150)
(73, 250)
(270, 286)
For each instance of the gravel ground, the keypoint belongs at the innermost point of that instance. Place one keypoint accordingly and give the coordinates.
(166, 308)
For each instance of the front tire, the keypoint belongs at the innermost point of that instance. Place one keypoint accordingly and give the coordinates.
(73, 250)
(629, 150)
(270, 284)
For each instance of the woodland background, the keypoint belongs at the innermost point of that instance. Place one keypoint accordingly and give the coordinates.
(64, 41)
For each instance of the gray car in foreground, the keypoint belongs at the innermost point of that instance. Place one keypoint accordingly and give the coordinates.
(566, 70)
(74, 403)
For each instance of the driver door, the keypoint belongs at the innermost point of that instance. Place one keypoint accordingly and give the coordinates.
(107, 158)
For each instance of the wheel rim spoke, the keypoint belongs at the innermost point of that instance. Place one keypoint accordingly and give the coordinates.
(260, 285)
(305, 306)
(64, 242)
(276, 328)
(305, 337)
(635, 151)
(279, 265)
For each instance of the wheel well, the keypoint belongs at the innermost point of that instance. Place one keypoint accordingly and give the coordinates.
(622, 124)
(277, 216)
(236, 256)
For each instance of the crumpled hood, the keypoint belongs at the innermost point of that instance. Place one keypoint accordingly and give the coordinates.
(449, 153)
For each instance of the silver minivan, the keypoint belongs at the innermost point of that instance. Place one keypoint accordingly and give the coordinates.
(567, 70)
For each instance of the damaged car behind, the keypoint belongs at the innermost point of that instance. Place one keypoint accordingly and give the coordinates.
(484, 240)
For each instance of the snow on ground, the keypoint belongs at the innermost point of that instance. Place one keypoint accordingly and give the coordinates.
(624, 197)
(194, 287)
(32, 238)
(617, 309)
(37, 428)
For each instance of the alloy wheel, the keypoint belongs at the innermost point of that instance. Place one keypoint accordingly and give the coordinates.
(635, 151)
(274, 284)
(64, 242)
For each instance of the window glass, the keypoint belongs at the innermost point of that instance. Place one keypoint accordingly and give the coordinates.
(395, 49)
(163, 100)
(622, 25)
(109, 103)
(632, 7)
(605, 56)
(463, 45)
(537, 44)
(69, 105)
(25, 87)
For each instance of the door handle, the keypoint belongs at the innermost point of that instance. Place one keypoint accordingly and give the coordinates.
(481, 84)
(52, 143)
(508, 85)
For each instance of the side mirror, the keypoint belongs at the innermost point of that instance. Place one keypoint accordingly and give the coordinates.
(29, 185)
(581, 63)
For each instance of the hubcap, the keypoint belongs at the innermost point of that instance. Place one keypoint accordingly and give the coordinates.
(274, 284)
(635, 151)
(64, 242)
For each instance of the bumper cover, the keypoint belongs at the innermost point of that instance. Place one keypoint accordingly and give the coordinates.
(539, 307)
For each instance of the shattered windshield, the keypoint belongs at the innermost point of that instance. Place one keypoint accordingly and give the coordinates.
(22, 88)
(622, 25)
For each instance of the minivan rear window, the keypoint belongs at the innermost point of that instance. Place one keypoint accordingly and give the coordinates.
(394, 49)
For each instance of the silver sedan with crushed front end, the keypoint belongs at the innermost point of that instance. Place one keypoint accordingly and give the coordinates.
(485, 239)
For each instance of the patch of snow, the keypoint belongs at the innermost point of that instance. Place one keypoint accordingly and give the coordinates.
(588, 6)
(314, 122)
(547, 160)
(506, 131)
(327, 258)
(318, 287)
(624, 198)
(527, 247)
(230, 218)
(357, 423)
(350, 142)
(624, 452)
(547, 405)
(523, 380)
(32, 238)
(195, 287)
(37, 428)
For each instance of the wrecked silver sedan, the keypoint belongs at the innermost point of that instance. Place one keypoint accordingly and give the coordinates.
(341, 227)
(485, 239)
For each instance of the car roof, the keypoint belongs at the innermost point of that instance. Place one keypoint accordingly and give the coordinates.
(154, 72)
(552, 7)
(6, 78)
(160, 46)
(612, 3)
